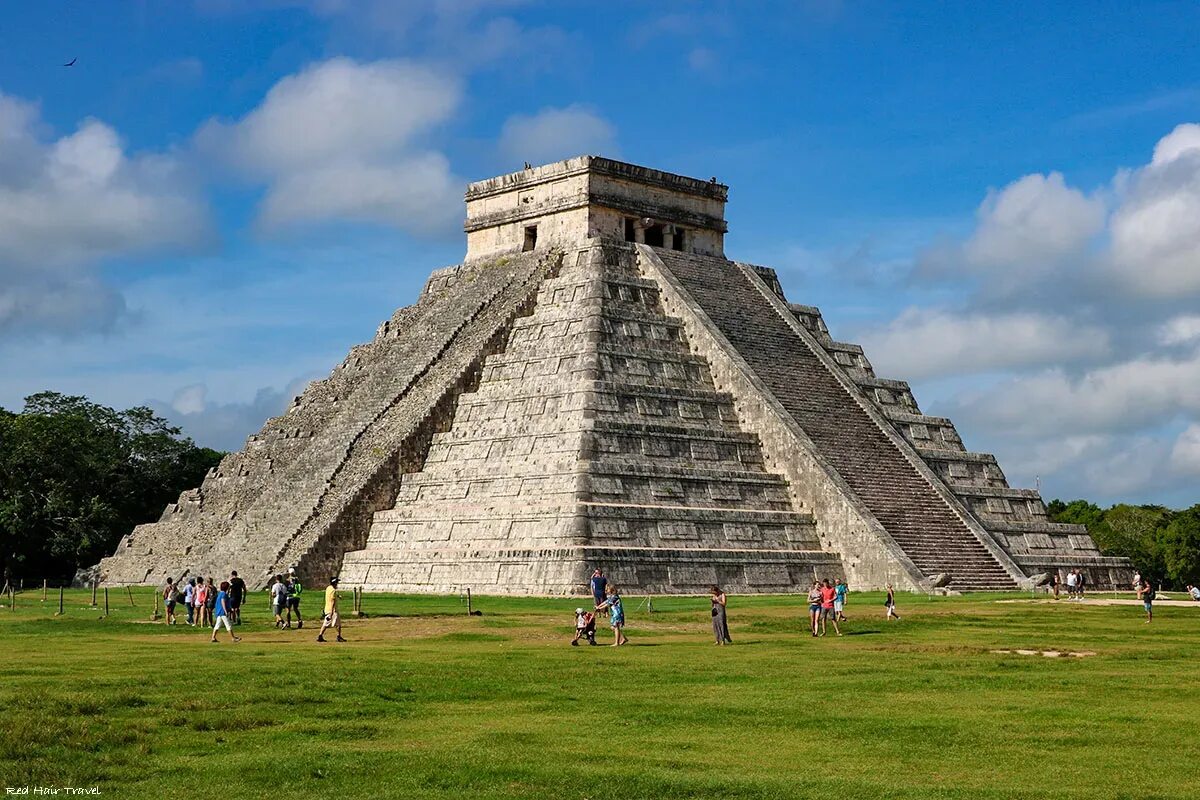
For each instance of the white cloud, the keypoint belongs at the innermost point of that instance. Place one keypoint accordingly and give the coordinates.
(921, 343)
(1033, 223)
(1155, 231)
(1185, 455)
(553, 134)
(1136, 394)
(339, 140)
(1180, 330)
(70, 203)
(225, 426)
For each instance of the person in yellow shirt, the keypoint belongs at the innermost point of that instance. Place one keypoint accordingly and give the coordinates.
(331, 620)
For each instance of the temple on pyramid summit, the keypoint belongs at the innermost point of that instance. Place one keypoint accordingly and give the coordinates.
(597, 385)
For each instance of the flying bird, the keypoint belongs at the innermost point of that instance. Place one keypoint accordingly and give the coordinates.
(71, 63)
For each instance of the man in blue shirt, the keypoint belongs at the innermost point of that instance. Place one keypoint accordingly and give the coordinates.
(599, 584)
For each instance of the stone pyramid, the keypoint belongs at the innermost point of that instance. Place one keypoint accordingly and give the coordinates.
(597, 385)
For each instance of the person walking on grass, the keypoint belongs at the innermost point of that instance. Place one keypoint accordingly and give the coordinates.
(237, 595)
(1054, 583)
(839, 601)
(221, 613)
(814, 606)
(331, 618)
(201, 602)
(720, 621)
(1147, 594)
(1072, 582)
(890, 604)
(1080, 583)
(828, 593)
(210, 601)
(169, 596)
(189, 600)
(598, 585)
(294, 589)
(616, 615)
(279, 596)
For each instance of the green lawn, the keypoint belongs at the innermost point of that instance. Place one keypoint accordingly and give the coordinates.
(425, 701)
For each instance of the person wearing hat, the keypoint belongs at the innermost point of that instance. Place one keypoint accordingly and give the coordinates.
(585, 625)
(331, 620)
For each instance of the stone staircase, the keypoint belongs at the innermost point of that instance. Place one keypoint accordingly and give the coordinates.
(930, 533)
(595, 438)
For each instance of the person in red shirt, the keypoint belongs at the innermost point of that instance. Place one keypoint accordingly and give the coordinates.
(828, 595)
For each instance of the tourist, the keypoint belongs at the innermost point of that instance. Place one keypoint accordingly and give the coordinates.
(1054, 583)
(237, 595)
(598, 584)
(331, 618)
(200, 600)
(828, 594)
(279, 600)
(814, 605)
(1147, 594)
(1072, 579)
(616, 614)
(294, 589)
(221, 613)
(890, 604)
(189, 600)
(585, 626)
(170, 595)
(210, 602)
(1194, 591)
(720, 621)
(1080, 583)
(839, 601)
(1137, 581)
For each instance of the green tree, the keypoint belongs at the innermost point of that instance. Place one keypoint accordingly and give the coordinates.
(76, 476)
(1180, 547)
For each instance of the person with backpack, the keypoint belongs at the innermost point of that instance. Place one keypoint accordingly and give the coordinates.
(294, 589)
(839, 602)
(1080, 583)
(221, 613)
(170, 596)
(1147, 594)
(279, 600)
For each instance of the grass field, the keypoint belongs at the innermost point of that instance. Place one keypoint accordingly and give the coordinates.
(425, 701)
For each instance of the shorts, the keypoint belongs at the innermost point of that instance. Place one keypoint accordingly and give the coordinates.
(838, 605)
(1148, 605)
(826, 611)
(278, 608)
(332, 620)
(294, 602)
(814, 608)
(234, 603)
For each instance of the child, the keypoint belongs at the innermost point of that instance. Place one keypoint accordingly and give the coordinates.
(221, 612)
(890, 604)
(169, 597)
(585, 625)
(616, 616)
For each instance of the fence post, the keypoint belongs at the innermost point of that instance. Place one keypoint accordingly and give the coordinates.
(60, 602)
(95, 583)
(106, 601)
(154, 616)
(45, 585)
(469, 601)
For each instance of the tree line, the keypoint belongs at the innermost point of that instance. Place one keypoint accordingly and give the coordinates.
(76, 476)
(1163, 544)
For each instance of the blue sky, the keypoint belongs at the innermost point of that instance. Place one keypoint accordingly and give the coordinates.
(1000, 201)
